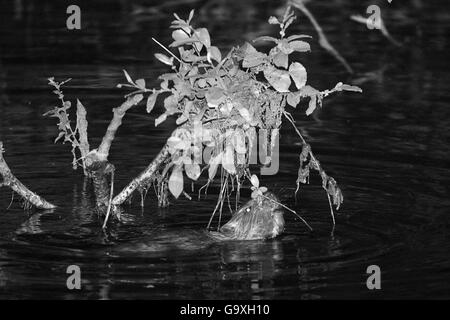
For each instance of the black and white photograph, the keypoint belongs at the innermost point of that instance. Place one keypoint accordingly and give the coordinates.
(224, 154)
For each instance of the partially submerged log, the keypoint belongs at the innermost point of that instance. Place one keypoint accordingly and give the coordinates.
(9, 180)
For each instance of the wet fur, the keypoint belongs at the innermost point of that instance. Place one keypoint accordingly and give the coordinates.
(260, 218)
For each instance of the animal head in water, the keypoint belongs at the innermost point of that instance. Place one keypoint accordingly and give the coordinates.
(260, 218)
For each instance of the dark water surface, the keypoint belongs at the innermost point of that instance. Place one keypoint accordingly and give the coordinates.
(388, 148)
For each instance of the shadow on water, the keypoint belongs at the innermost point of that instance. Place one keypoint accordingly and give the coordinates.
(388, 148)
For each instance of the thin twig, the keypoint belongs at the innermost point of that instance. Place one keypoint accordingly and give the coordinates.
(222, 201)
(12, 199)
(187, 195)
(217, 206)
(331, 209)
(110, 200)
(167, 50)
(289, 209)
(323, 41)
(381, 26)
(291, 120)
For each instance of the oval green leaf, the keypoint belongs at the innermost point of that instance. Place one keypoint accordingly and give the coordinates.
(164, 59)
(293, 99)
(151, 100)
(228, 160)
(298, 73)
(214, 53)
(281, 59)
(160, 119)
(279, 79)
(254, 181)
(300, 46)
(192, 171)
(176, 181)
(203, 35)
(213, 164)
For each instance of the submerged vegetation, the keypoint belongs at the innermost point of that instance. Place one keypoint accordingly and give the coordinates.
(222, 103)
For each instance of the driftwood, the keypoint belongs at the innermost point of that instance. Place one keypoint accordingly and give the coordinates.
(9, 180)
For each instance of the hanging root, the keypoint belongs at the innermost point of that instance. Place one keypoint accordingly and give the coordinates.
(219, 204)
(9, 180)
(111, 192)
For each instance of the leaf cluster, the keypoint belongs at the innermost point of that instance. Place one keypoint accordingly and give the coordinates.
(232, 96)
(76, 136)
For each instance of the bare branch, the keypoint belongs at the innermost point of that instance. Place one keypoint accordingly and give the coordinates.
(323, 40)
(12, 182)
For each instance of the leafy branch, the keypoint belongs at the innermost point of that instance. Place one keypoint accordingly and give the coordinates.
(77, 137)
(230, 97)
